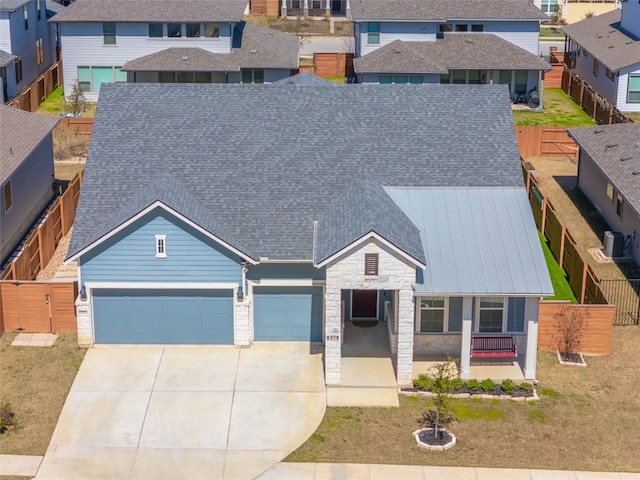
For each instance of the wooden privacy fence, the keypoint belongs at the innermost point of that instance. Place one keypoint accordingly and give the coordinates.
(596, 338)
(32, 96)
(41, 244)
(82, 125)
(330, 65)
(38, 306)
(545, 142)
(594, 104)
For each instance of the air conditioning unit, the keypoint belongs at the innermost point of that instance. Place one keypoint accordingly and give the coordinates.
(613, 244)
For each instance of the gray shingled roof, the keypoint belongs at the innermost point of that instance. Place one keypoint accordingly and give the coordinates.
(306, 79)
(20, 133)
(364, 208)
(253, 47)
(6, 58)
(11, 5)
(54, 7)
(602, 37)
(615, 149)
(439, 10)
(267, 160)
(153, 11)
(454, 51)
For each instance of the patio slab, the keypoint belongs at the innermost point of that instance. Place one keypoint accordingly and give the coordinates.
(34, 340)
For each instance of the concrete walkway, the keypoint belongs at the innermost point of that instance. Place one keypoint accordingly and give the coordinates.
(19, 465)
(352, 471)
(186, 412)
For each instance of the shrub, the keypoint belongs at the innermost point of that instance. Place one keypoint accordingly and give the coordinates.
(423, 382)
(473, 385)
(508, 386)
(488, 385)
(429, 418)
(456, 383)
(6, 417)
(526, 387)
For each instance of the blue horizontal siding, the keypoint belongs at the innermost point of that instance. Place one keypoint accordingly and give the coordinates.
(130, 255)
(289, 271)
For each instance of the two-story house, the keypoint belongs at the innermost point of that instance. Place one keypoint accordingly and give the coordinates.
(457, 41)
(604, 51)
(185, 41)
(27, 46)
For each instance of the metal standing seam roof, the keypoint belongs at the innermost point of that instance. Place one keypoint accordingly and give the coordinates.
(480, 241)
(603, 38)
(615, 149)
(252, 47)
(255, 157)
(454, 51)
(364, 208)
(438, 10)
(6, 58)
(20, 133)
(153, 11)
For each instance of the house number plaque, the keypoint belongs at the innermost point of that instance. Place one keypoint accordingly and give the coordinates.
(333, 338)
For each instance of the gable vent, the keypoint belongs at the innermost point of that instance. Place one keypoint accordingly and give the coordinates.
(371, 264)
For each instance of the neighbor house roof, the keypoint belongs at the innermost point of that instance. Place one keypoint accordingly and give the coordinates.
(364, 208)
(476, 241)
(11, 5)
(615, 149)
(454, 51)
(6, 58)
(269, 160)
(438, 10)
(603, 38)
(153, 11)
(54, 7)
(20, 133)
(252, 47)
(307, 79)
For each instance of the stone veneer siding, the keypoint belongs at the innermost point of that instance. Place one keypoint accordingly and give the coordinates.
(347, 273)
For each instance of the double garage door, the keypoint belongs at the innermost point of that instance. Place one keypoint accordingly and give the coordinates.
(163, 316)
(288, 313)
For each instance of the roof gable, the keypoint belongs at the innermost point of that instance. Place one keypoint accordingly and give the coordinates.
(364, 208)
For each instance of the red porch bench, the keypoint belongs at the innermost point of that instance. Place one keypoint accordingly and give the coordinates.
(493, 346)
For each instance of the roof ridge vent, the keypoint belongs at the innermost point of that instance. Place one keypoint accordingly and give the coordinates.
(636, 172)
(598, 130)
(624, 159)
(611, 46)
(610, 145)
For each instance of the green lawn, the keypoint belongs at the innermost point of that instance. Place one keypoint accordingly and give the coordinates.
(635, 116)
(558, 277)
(53, 104)
(559, 110)
(551, 32)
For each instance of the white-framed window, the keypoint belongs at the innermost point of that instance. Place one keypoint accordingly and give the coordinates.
(490, 315)
(373, 33)
(401, 79)
(596, 67)
(39, 51)
(8, 198)
(109, 33)
(161, 246)
(438, 314)
(633, 89)
(252, 75)
(610, 191)
(91, 78)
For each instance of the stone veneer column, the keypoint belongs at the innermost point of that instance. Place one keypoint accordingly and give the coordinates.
(333, 335)
(405, 337)
(531, 316)
(242, 330)
(83, 316)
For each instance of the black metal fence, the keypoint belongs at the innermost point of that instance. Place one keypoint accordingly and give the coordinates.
(625, 295)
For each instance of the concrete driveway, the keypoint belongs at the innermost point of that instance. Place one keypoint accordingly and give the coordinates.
(186, 412)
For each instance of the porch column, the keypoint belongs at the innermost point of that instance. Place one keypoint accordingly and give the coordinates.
(465, 348)
(305, 10)
(405, 337)
(242, 332)
(531, 355)
(283, 9)
(541, 89)
(347, 10)
(328, 8)
(332, 335)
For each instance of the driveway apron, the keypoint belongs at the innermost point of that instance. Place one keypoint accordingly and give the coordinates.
(150, 412)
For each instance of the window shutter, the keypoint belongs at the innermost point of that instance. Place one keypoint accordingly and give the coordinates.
(371, 264)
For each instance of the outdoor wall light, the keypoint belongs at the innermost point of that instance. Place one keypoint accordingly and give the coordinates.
(83, 293)
(240, 294)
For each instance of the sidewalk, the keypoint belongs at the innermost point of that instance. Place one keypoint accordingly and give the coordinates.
(328, 471)
(19, 465)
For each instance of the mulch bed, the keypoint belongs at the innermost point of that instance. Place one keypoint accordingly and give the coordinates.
(443, 438)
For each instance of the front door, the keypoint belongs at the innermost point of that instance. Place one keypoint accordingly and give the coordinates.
(364, 304)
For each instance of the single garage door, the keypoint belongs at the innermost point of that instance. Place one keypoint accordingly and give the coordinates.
(172, 316)
(288, 313)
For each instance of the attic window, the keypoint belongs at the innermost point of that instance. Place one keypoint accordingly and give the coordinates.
(371, 264)
(161, 246)
(8, 199)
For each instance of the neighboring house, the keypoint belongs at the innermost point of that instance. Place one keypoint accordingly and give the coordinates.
(26, 45)
(604, 51)
(457, 41)
(217, 224)
(26, 173)
(112, 41)
(609, 175)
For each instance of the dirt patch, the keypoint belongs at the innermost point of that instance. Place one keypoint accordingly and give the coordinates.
(64, 171)
(58, 257)
(586, 420)
(557, 179)
(36, 381)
